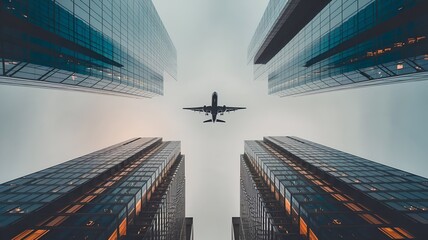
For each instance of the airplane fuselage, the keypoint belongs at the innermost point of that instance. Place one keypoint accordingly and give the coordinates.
(214, 106)
(214, 109)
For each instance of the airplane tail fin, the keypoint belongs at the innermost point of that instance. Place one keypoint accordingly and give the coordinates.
(219, 120)
(209, 120)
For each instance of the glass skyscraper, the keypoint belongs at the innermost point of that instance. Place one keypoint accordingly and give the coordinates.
(103, 46)
(131, 190)
(292, 188)
(304, 46)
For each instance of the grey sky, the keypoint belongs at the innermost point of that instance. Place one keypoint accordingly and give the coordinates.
(43, 127)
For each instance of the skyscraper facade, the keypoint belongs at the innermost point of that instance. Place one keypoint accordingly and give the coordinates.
(131, 190)
(292, 188)
(303, 46)
(102, 46)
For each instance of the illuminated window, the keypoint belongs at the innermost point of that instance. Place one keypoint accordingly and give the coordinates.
(122, 228)
(336, 221)
(400, 66)
(287, 206)
(23, 234)
(74, 208)
(36, 235)
(340, 197)
(369, 218)
(327, 189)
(420, 38)
(353, 207)
(404, 233)
(317, 182)
(391, 233)
(303, 227)
(99, 190)
(312, 235)
(113, 236)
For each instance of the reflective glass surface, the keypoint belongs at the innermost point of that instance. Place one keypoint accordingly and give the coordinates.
(108, 194)
(328, 194)
(109, 46)
(350, 43)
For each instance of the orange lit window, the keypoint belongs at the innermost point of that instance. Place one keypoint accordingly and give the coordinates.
(411, 40)
(400, 66)
(317, 182)
(108, 184)
(74, 208)
(113, 236)
(303, 227)
(88, 198)
(122, 228)
(37, 234)
(287, 206)
(371, 219)
(391, 233)
(138, 207)
(99, 190)
(23, 234)
(353, 207)
(340, 197)
(327, 189)
(312, 235)
(404, 232)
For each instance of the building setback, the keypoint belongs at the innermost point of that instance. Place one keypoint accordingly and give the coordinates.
(131, 190)
(102, 46)
(304, 46)
(292, 188)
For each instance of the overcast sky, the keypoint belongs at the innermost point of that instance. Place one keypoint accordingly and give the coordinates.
(43, 127)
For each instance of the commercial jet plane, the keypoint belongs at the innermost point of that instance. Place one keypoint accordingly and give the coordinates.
(214, 109)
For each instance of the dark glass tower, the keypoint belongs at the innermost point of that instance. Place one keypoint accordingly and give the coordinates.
(296, 189)
(103, 46)
(131, 190)
(305, 46)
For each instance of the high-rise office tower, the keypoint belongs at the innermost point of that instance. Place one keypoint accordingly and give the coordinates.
(103, 46)
(304, 46)
(296, 189)
(131, 190)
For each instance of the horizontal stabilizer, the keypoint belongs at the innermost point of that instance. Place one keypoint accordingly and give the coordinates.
(218, 120)
(209, 120)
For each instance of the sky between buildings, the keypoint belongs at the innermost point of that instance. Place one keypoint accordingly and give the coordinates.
(43, 127)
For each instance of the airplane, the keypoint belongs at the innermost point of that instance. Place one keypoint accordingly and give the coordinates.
(214, 109)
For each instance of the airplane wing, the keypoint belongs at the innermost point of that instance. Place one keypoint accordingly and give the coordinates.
(199, 109)
(229, 109)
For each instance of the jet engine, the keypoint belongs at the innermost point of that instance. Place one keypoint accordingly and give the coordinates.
(224, 110)
(205, 110)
